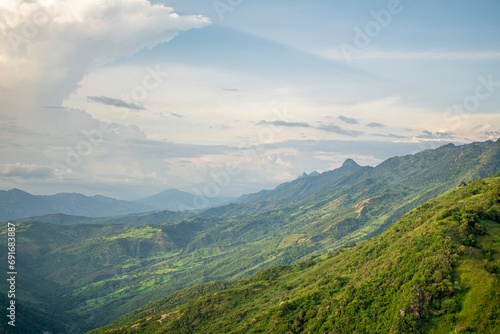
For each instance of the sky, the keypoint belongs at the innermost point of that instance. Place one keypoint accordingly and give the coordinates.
(127, 98)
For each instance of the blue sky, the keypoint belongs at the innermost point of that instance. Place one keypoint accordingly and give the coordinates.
(225, 97)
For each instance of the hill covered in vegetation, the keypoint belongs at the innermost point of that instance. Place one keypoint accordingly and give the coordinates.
(87, 275)
(434, 271)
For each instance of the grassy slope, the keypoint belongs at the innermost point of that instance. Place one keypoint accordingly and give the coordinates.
(434, 271)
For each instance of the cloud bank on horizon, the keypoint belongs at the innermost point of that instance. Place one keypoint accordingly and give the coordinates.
(127, 98)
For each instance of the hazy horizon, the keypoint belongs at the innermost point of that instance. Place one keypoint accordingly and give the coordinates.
(134, 199)
(129, 98)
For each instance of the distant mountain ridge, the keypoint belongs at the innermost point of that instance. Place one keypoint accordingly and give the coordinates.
(16, 203)
(176, 200)
(19, 204)
(301, 185)
(436, 170)
(315, 173)
(426, 167)
(78, 208)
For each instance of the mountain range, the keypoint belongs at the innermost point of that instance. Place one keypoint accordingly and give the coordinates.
(301, 185)
(83, 276)
(17, 204)
(434, 271)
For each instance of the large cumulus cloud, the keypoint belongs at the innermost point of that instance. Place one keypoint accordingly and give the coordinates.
(46, 47)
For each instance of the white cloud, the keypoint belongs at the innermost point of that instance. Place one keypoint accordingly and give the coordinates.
(25, 171)
(458, 127)
(46, 50)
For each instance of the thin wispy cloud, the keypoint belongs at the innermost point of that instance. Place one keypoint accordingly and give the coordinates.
(25, 171)
(335, 54)
(426, 134)
(337, 129)
(390, 135)
(494, 134)
(436, 55)
(375, 125)
(348, 120)
(175, 115)
(53, 107)
(285, 123)
(115, 102)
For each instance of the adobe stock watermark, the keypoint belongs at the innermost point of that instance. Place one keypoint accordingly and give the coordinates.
(11, 273)
(23, 35)
(460, 111)
(95, 137)
(363, 37)
(150, 82)
(251, 148)
(223, 6)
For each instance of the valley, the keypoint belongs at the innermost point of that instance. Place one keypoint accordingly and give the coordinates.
(88, 272)
(434, 271)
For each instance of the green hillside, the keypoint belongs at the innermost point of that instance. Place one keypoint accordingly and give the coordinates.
(89, 275)
(434, 271)
(411, 179)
